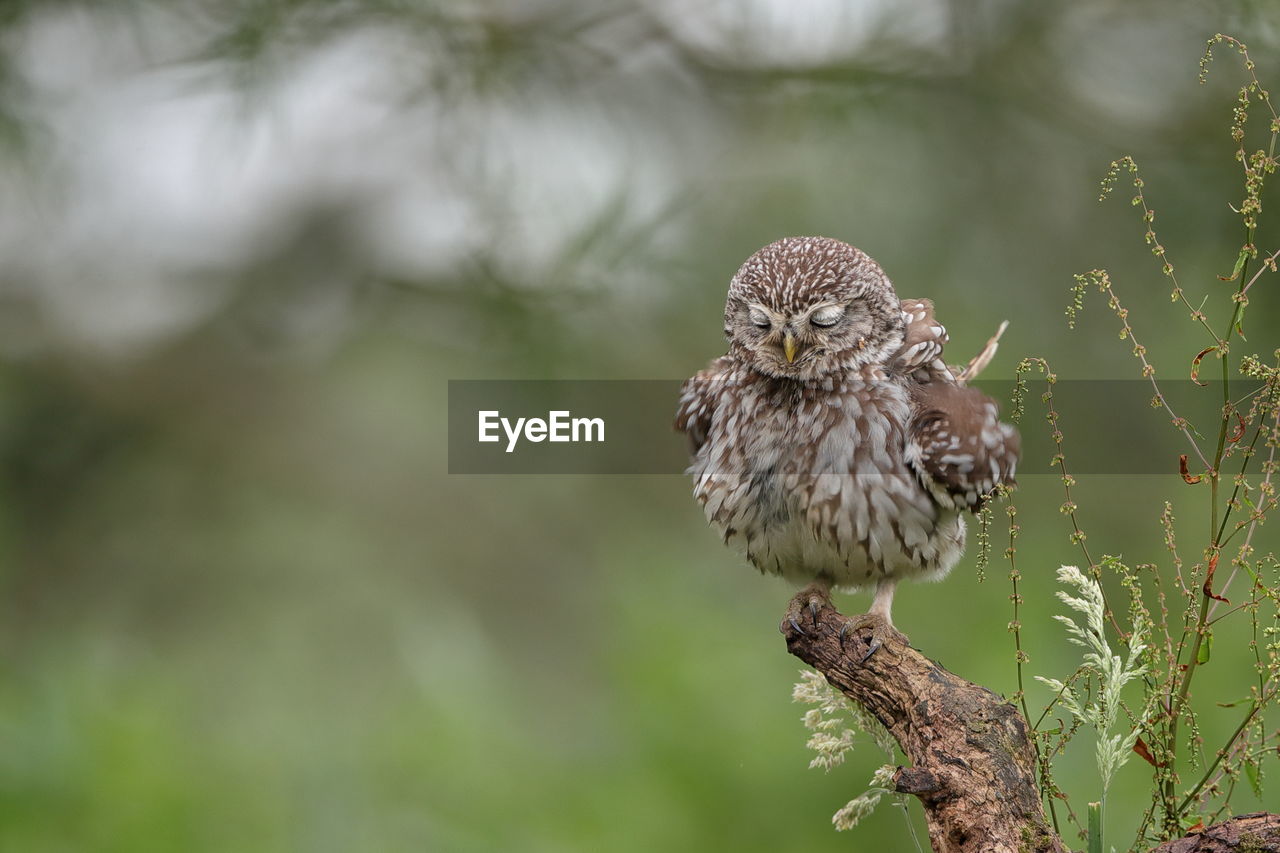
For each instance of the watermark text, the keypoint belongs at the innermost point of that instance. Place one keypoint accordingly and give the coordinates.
(557, 426)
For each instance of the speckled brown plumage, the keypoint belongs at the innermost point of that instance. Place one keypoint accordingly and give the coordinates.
(832, 442)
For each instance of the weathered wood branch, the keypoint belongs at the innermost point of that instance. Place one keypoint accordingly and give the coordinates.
(972, 763)
(972, 760)
(1248, 833)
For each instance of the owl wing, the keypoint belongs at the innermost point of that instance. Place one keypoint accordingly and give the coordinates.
(957, 445)
(697, 405)
(921, 352)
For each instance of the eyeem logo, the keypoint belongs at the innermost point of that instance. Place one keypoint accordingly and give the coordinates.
(558, 426)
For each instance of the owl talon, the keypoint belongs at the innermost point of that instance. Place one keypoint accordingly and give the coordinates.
(815, 596)
(807, 606)
(881, 630)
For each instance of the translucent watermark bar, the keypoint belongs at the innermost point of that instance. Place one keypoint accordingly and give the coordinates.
(613, 427)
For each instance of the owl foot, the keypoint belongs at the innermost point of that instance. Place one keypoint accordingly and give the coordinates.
(881, 629)
(808, 602)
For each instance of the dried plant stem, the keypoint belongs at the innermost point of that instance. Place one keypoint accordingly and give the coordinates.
(1268, 265)
(1157, 248)
(1171, 673)
(1069, 507)
(1266, 489)
(1215, 543)
(1255, 167)
(1102, 280)
(1258, 704)
(1021, 658)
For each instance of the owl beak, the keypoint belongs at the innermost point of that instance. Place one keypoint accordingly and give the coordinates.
(789, 348)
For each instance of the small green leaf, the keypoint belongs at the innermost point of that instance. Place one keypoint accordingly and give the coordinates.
(1252, 770)
(1206, 647)
(1240, 261)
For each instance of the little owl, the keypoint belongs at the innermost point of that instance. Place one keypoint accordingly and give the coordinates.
(832, 444)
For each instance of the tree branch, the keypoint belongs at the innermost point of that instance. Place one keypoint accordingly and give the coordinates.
(1249, 833)
(973, 763)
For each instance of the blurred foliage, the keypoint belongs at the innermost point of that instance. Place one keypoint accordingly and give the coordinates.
(245, 245)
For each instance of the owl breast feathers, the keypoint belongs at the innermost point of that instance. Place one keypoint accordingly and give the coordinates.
(832, 442)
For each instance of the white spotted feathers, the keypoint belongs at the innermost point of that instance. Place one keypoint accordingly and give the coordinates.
(833, 442)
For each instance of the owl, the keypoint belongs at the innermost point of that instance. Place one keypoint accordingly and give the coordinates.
(832, 444)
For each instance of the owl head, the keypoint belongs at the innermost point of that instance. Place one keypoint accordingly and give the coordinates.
(806, 307)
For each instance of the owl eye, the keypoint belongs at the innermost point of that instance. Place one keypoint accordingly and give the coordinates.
(827, 317)
(760, 320)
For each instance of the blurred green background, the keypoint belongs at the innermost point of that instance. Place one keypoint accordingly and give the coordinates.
(243, 247)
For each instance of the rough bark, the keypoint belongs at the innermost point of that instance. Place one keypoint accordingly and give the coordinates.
(973, 766)
(1249, 833)
(972, 761)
